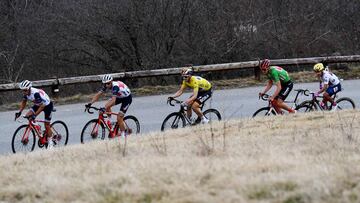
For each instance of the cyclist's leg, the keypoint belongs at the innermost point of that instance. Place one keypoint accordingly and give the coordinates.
(201, 98)
(283, 94)
(125, 103)
(330, 92)
(32, 111)
(48, 111)
(189, 110)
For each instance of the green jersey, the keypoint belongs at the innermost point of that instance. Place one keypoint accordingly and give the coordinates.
(276, 74)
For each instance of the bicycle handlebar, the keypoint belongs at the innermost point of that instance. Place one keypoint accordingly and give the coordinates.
(264, 97)
(91, 107)
(170, 100)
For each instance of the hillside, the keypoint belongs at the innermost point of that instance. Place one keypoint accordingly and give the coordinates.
(297, 158)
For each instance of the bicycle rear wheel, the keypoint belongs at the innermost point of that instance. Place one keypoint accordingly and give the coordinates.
(92, 131)
(265, 111)
(23, 139)
(212, 115)
(60, 133)
(345, 103)
(132, 124)
(173, 121)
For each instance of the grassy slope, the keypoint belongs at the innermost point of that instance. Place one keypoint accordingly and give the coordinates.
(296, 158)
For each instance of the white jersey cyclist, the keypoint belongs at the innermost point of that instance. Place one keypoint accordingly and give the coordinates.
(119, 89)
(38, 96)
(329, 78)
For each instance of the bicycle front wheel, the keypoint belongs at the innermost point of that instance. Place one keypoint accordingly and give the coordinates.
(173, 121)
(265, 111)
(60, 133)
(345, 103)
(212, 115)
(132, 124)
(92, 131)
(23, 139)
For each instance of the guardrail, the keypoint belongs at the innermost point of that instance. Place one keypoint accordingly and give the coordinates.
(55, 83)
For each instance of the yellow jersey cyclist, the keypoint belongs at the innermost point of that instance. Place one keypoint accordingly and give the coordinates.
(329, 84)
(120, 94)
(202, 91)
(41, 102)
(280, 78)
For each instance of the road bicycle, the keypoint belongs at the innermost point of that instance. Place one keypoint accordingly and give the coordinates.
(24, 137)
(317, 105)
(270, 110)
(95, 128)
(179, 119)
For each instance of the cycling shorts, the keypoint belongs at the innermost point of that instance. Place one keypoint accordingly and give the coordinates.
(125, 103)
(47, 110)
(285, 90)
(203, 96)
(333, 89)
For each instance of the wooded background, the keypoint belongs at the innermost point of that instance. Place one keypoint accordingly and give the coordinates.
(40, 39)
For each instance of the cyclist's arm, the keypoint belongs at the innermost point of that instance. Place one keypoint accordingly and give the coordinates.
(323, 89)
(96, 97)
(22, 105)
(278, 89)
(268, 87)
(179, 92)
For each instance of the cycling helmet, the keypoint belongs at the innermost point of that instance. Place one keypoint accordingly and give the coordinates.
(25, 85)
(265, 64)
(187, 72)
(319, 67)
(107, 78)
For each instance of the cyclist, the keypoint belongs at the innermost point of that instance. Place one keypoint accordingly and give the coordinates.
(280, 78)
(329, 84)
(41, 102)
(202, 91)
(120, 94)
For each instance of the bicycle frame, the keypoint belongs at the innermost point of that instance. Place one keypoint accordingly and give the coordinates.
(31, 126)
(183, 113)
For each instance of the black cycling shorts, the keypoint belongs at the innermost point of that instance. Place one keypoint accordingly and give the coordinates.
(203, 96)
(47, 110)
(125, 103)
(285, 90)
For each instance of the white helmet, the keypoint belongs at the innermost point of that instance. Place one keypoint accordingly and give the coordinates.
(107, 78)
(25, 85)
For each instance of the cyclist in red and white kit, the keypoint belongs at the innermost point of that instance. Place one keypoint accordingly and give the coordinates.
(120, 94)
(41, 102)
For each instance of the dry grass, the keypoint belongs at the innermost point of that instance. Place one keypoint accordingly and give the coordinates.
(290, 159)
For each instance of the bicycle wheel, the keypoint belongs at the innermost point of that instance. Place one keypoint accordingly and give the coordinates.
(60, 133)
(23, 139)
(212, 115)
(92, 131)
(173, 121)
(345, 103)
(132, 123)
(265, 111)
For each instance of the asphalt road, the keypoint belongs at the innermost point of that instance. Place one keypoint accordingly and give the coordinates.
(151, 110)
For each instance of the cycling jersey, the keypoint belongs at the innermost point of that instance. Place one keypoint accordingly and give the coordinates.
(277, 73)
(38, 96)
(329, 78)
(197, 83)
(119, 89)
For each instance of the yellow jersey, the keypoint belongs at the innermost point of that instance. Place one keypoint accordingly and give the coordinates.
(197, 83)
